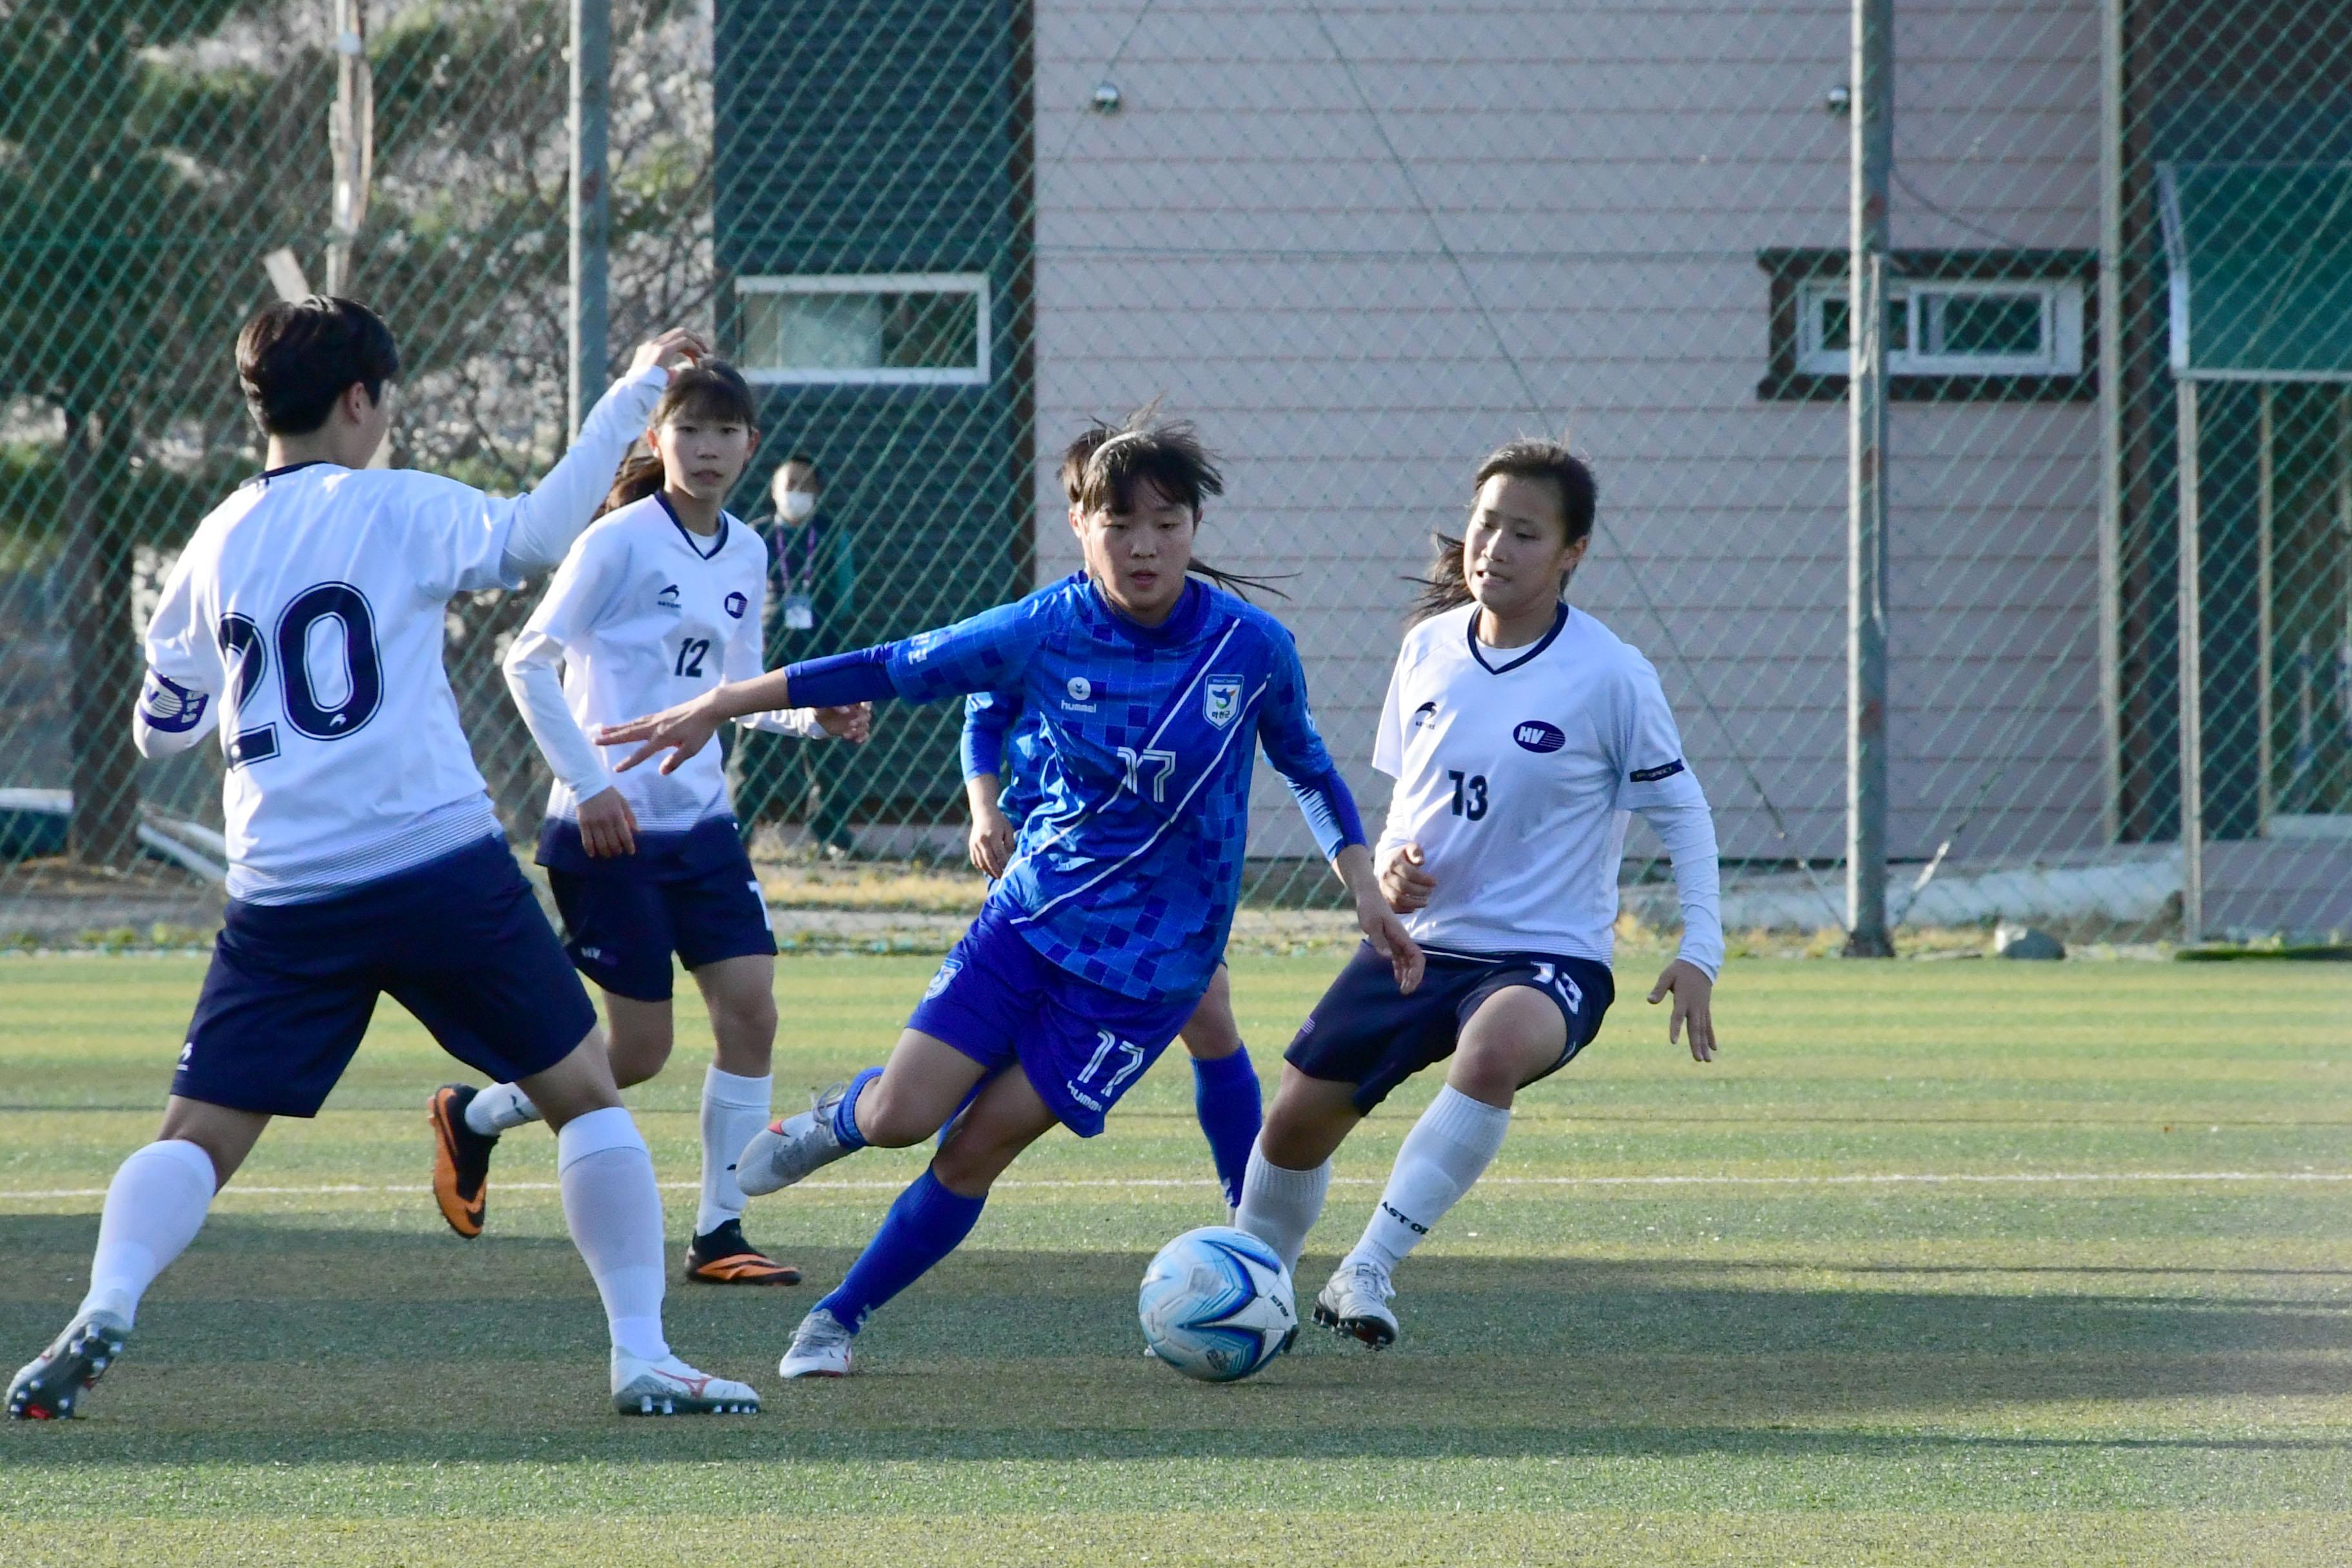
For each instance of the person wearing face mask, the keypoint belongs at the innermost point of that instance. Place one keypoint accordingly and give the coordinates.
(811, 603)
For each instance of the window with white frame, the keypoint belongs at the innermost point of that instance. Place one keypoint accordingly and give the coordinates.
(906, 329)
(1950, 327)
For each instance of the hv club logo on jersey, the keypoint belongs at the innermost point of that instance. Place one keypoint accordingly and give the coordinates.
(1535, 735)
(736, 604)
(943, 979)
(1220, 699)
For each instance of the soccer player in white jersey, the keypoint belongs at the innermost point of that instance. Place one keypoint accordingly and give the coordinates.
(1521, 733)
(657, 602)
(304, 621)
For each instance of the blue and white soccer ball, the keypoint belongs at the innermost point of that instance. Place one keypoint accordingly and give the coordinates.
(1216, 1304)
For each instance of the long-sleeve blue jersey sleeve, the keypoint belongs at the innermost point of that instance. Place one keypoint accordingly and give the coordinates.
(986, 652)
(987, 715)
(1286, 729)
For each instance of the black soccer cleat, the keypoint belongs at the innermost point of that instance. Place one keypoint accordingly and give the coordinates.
(721, 1257)
(49, 1387)
(461, 1159)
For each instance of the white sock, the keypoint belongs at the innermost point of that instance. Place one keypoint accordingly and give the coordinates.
(614, 1211)
(1447, 1150)
(155, 1207)
(1279, 1206)
(497, 1108)
(734, 1109)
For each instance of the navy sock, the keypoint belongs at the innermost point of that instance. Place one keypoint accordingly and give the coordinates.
(844, 1115)
(925, 1224)
(1225, 1096)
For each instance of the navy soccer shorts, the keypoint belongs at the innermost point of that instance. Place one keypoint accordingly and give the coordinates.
(999, 1001)
(459, 942)
(620, 930)
(1366, 1031)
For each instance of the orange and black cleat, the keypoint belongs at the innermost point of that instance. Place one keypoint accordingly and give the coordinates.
(721, 1257)
(461, 1159)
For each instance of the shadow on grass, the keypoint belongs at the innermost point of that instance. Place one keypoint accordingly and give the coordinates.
(275, 1342)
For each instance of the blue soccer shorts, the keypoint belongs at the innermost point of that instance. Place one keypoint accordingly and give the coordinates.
(1368, 1033)
(999, 1001)
(459, 942)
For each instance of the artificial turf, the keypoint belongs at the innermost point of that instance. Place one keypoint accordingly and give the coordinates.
(1948, 1262)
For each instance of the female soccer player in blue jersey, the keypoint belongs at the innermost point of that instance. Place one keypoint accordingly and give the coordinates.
(1522, 734)
(659, 599)
(1000, 767)
(1152, 691)
(999, 778)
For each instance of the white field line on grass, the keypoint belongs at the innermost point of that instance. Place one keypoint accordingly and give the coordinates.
(1143, 1183)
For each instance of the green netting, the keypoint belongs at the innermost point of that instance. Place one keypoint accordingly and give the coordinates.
(1359, 245)
(2261, 259)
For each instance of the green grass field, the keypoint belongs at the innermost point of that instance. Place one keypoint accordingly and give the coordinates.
(1942, 1263)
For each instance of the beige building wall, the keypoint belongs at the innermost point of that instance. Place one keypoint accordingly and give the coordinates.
(1240, 237)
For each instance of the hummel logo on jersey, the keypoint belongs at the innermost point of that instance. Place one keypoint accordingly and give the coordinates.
(736, 604)
(1080, 689)
(667, 598)
(1425, 715)
(1220, 699)
(1535, 735)
(1651, 775)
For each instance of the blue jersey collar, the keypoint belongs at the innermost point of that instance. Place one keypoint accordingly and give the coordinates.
(1182, 622)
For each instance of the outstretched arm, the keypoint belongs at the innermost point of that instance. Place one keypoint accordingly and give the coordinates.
(545, 520)
(975, 655)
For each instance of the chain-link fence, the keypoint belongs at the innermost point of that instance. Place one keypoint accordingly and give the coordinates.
(1359, 245)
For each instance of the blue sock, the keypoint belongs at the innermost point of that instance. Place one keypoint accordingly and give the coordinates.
(1225, 1096)
(844, 1115)
(925, 1224)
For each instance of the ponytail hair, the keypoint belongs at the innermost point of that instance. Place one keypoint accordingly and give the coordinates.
(712, 391)
(1103, 466)
(1446, 588)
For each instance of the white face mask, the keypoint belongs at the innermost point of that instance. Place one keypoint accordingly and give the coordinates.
(799, 506)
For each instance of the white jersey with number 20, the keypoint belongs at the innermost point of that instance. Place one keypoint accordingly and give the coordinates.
(1515, 771)
(306, 618)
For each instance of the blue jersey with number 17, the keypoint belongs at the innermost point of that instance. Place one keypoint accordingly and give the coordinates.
(1128, 863)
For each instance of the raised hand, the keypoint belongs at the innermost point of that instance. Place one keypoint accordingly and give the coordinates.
(673, 350)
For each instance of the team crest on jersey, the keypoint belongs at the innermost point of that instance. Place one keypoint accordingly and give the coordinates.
(1535, 735)
(667, 599)
(736, 604)
(1220, 699)
(943, 979)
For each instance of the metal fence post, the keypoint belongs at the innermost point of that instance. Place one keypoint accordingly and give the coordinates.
(1873, 156)
(2192, 674)
(592, 212)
